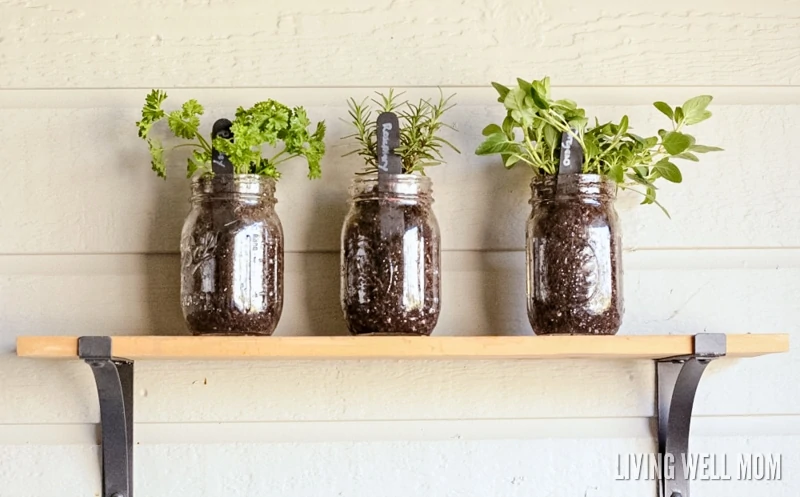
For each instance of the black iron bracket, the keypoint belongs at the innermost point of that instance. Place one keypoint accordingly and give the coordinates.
(678, 378)
(114, 379)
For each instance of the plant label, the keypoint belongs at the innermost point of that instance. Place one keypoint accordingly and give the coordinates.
(220, 164)
(388, 139)
(389, 164)
(570, 155)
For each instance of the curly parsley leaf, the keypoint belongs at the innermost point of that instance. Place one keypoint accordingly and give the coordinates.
(151, 112)
(199, 161)
(315, 150)
(185, 123)
(267, 122)
(271, 123)
(157, 157)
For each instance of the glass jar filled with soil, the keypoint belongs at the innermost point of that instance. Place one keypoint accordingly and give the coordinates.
(574, 263)
(232, 257)
(390, 268)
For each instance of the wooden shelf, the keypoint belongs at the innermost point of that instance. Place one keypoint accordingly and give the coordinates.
(345, 347)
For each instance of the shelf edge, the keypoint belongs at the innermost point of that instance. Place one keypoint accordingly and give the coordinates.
(393, 348)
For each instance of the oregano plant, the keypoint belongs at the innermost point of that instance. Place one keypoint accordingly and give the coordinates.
(531, 134)
(420, 127)
(265, 123)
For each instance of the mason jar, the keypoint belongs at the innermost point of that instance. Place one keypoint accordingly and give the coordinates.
(390, 257)
(574, 256)
(232, 257)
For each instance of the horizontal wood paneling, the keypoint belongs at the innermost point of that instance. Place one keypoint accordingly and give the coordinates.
(413, 42)
(455, 468)
(90, 190)
(78, 187)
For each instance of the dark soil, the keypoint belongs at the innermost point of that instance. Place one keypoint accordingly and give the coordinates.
(574, 258)
(390, 272)
(232, 259)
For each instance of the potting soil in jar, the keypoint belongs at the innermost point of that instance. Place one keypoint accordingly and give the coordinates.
(574, 264)
(390, 267)
(232, 257)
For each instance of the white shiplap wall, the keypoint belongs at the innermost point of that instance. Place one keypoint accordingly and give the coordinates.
(89, 239)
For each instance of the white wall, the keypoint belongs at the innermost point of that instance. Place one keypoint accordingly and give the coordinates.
(89, 241)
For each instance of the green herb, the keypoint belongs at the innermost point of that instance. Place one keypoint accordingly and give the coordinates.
(184, 123)
(420, 125)
(610, 149)
(267, 122)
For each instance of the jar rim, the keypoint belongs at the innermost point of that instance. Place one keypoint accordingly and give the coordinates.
(547, 188)
(226, 185)
(580, 178)
(400, 186)
(393, 178)
(254, 178)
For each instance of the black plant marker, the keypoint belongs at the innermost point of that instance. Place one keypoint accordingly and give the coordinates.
(220, 164)
(570, 154)
(388, 140)
(222, 168)
(389, 165)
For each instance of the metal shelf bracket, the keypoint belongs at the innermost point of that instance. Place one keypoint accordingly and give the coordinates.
(114, 379)
(677, 379)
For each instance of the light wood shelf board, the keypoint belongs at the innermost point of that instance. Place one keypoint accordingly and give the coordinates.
(381, 347)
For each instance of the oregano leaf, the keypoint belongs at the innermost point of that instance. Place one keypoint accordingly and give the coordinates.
(508, 127)
(539, 100)
(495, 144)
(623, 126)
(551, 137)
(694, 109)
(664, 108)
(676, 142)
(702, 149)
(502, 91)
(698, 118)
(526, 86)
(668, 171)
(617, 173)
(687, 156)
(679, 115)
(491, 129)
(515, 99)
